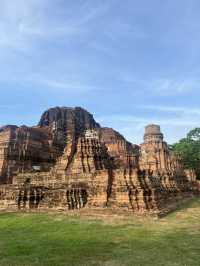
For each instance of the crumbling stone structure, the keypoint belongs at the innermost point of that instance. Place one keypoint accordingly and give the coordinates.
(68, 161)
(155, 154)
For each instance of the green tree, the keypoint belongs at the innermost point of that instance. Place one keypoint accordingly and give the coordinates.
(188, 149)
(194, 134)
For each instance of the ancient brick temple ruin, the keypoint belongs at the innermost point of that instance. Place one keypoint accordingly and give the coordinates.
(68, 161)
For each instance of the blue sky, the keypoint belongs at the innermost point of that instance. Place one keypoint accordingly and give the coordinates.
(128, 62)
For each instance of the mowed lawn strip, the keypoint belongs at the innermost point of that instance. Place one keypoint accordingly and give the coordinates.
(56, 239)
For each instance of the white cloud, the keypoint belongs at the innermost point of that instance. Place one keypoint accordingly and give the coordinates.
(122, 29)
(64, 85)
(161, 86)
(14, 16)
(183, 110)
(174, 86)
(28, 31)
(128, 119)
(25, 22)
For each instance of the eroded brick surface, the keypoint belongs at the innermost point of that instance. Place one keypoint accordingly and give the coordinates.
(69, 162)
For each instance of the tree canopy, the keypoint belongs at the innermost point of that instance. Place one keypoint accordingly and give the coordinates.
(188, 149)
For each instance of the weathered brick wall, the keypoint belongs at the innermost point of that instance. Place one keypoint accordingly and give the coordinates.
(84, 166)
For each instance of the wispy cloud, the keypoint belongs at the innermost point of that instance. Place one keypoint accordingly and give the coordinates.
(69, 86)
(161, 86)
(14, 18)
(24, 23)
(128, 119)
(124, 30)
(175, 86)
(183, 110)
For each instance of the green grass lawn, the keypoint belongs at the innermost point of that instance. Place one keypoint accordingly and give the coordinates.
(58, 239)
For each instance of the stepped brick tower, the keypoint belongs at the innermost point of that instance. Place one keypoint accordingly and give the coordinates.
(153, 134)
(155, 154)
